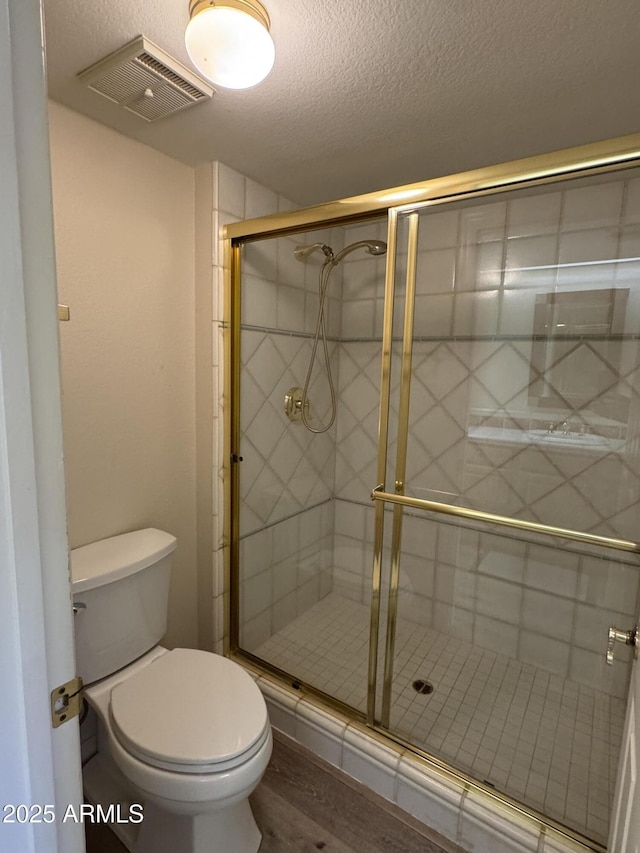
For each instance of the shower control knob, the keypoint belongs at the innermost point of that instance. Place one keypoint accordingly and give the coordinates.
(629, 638)
(293, 404)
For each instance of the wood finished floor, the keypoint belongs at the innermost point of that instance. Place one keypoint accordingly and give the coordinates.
(304, 805)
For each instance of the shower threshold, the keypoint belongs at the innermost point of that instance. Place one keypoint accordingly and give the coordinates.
(547, 742)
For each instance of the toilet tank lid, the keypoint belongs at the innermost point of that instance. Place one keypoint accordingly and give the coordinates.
(108, 560)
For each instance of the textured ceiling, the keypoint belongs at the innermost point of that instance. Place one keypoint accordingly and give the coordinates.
(369, 94)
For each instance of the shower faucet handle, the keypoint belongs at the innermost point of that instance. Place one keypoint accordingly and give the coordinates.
(629, 638)
(293, 404)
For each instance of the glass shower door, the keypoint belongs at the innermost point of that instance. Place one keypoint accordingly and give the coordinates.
(284, 472)
(518, 412)
(304, 467)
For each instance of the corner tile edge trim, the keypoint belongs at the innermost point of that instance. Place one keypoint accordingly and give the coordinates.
(383, 765)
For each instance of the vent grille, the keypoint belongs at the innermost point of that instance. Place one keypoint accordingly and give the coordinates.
(164, 101)
(162, 71)
(146, 81)
(124, 83)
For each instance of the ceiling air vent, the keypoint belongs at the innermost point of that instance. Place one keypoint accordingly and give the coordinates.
(146, 81)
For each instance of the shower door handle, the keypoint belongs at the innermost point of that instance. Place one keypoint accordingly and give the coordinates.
(629, 638)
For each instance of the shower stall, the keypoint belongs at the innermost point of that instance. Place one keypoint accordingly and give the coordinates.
(434, 485)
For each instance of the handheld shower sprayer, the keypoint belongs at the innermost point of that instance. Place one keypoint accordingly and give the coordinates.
(373, 247)
(303, 252)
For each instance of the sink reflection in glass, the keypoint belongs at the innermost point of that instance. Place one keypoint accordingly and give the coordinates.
(579, 438)
(557, 439)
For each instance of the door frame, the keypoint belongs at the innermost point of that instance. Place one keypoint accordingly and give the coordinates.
(41, 765)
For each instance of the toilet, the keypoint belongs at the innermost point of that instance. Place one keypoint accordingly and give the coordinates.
(183, 733)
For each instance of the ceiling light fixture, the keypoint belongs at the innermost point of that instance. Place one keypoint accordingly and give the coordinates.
(229, 43)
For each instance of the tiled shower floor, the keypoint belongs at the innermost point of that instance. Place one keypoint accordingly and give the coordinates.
(550, 743)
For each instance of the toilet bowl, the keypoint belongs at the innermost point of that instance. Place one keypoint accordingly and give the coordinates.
(185, 733)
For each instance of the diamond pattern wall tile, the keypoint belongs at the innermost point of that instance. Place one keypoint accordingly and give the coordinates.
(270, 432)
(358, 449)
(421, 399)
(266, 365)
(285, 467)
(624, 524)
(252, 398)
(630, 454)
(434, 478)
(609, 486)
(582, 372)
(478, 352)
(567, 507)
(531, 474)
(251, 467)
(570, 464)
(370, 425)
(283, 459)
(250, 342)
(452, 463)
(494, 494)
(504, 373)
(439, 370)
(630, 357)
(476, 465)
(498, 454)
(302, 482)
(441, 456)
(482, 402)
(438, 431)
(361, 396)
(267, 490)
(290, 348)
(610, 352)
(456, 404)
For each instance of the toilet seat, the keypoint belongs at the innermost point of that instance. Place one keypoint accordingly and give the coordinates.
(190, 711)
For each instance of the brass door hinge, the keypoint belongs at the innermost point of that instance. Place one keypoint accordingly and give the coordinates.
(66, 702)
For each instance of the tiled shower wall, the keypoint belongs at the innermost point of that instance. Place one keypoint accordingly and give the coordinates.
(234, 198)
(287, 473)
(479, 430)
(498, 592)
(287, 516)
(535, 603)
(480, 271)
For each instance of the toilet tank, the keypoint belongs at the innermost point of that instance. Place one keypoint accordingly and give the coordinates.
(120, 592)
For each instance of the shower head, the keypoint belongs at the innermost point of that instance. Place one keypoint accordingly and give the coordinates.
(303, 252)
(373, 247)
(376, 247)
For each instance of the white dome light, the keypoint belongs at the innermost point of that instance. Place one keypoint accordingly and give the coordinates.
(229, 42)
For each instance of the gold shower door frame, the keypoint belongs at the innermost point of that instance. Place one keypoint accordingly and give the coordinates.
(382, 495)
(400, 203)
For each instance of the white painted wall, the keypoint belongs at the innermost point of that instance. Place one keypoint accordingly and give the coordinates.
(124, 227)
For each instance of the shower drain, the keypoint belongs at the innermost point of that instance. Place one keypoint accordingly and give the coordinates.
(421, 685)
